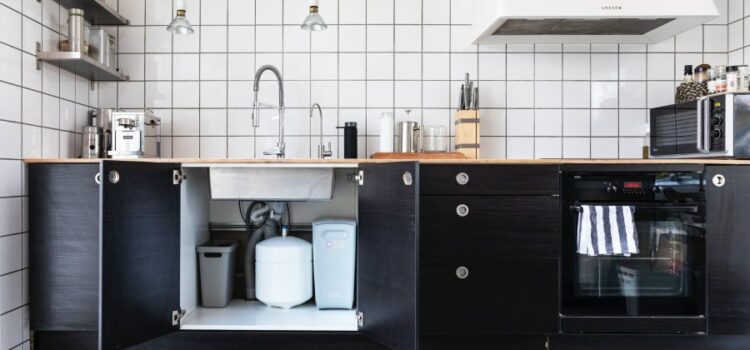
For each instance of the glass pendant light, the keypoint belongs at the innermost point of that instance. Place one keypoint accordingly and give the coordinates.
(313, 21)
(180, 24)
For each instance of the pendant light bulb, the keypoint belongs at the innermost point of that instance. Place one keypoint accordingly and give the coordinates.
(313, 21)
(180, 24)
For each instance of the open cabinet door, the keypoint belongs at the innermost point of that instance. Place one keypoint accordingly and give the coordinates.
(140, 252)
(388, 254)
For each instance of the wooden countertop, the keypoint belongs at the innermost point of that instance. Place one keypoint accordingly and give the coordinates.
(375, 161)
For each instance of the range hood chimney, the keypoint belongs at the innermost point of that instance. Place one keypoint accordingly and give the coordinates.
(587, 21)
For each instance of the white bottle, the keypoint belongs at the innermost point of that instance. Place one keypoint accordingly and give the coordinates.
(386, 132)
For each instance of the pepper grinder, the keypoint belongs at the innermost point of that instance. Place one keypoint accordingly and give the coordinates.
(350, 140)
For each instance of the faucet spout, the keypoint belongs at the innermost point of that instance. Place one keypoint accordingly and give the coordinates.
(280, 149)
(322, 151)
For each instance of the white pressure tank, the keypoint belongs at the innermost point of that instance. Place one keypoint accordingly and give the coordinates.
(334, 251)
(283, 271)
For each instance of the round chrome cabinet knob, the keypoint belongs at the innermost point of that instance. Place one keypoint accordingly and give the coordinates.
(462, 210)
(462, 178)
(462, 272)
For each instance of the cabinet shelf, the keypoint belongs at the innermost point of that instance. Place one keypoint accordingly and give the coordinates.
(242, 315)
(96, 12)
(82, 65)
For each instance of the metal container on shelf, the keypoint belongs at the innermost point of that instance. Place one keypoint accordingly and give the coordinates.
(101, 46)
(76, 38)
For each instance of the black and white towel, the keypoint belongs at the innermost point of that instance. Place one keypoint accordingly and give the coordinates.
(607, 230)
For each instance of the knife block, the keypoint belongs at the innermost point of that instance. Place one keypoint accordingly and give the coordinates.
(467, 133)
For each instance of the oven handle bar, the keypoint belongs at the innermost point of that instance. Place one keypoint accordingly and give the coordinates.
(652, 208)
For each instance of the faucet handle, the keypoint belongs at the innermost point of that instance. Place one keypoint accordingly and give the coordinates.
(327, 152)
(323, 152)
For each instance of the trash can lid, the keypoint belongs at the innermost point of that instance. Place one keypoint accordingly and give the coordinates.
(217, 246)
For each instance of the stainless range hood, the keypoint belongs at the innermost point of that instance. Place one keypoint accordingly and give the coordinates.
(587, 21)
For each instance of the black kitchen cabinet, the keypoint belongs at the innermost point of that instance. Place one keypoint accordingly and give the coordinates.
(108, 256)
(506, 226)
(63, 254)
(140, 263)
(728, 246)
(475, 179)
(496, 296)
(388, 254)
(490, 244)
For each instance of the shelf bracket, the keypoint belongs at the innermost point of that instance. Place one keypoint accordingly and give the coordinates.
(38, 61)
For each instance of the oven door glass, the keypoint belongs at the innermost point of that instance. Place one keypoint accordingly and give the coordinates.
(665, 278)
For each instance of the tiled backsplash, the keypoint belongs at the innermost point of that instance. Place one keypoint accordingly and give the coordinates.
(41, 115)
(537, 101)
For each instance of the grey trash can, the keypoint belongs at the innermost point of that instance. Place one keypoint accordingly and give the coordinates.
(216, 260)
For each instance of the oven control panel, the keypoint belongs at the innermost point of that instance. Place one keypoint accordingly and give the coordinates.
(629, 188)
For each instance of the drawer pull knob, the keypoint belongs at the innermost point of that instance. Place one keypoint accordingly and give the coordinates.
(462, 210)
(462, 272)
(462, 178)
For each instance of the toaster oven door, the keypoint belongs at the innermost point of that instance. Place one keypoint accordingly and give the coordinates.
(674, 129)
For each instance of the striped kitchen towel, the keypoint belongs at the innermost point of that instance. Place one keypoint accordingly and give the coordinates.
(607, 230)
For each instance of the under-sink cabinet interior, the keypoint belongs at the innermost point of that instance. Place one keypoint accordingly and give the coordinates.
(204, 219)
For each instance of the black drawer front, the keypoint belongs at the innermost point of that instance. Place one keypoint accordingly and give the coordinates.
(490, 179)
(499, 296)
(511, 226)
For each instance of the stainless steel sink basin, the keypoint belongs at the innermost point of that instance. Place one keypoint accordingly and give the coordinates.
(271, 184)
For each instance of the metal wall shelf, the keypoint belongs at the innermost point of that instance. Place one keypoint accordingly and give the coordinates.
(96, 12)
(82, 65)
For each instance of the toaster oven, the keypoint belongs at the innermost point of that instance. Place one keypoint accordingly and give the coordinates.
(716, 126)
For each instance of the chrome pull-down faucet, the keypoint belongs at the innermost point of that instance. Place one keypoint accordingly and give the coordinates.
(280, 150)
(322, 151)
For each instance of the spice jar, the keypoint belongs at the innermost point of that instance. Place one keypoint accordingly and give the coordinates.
(733, 79)
(721, 79)
(711, 81)
(701, 73)
(744, 84)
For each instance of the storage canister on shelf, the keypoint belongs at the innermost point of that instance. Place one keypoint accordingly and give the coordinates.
(711, 84)
(744, 78)
(721, 79)
(733, 79)
(76, 35)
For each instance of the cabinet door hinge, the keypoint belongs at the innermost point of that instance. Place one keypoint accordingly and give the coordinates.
(178, 177)
(358, 177)
(360, 319)
(177, 315)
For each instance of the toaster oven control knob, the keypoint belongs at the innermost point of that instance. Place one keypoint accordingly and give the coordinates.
(717, 121)
(611, 188)
(716, 133)
(462, 272)
(462, 210)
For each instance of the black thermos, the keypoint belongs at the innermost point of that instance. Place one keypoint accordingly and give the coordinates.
(350, 140)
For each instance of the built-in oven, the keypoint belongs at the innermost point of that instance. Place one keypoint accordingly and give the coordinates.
(661, 288)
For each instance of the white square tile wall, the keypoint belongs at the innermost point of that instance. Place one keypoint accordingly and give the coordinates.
(393, 55)
(42, 116)
(537, 101)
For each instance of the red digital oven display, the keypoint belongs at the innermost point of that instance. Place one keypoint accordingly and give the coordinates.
(633, 185)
